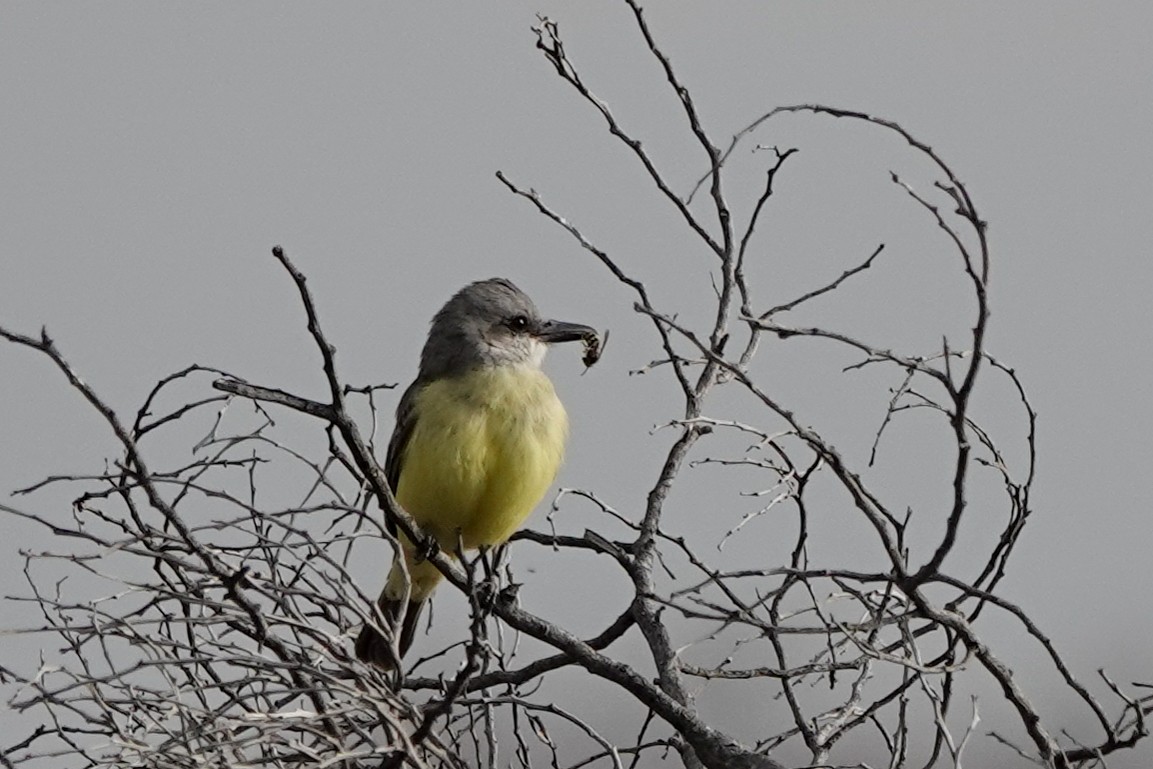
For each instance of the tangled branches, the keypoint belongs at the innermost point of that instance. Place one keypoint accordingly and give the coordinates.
(203, 611)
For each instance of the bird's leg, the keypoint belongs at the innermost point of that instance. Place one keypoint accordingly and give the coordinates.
(500, 557)
(486, 589)
(426, 548)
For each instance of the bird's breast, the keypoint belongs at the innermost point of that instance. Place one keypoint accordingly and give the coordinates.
(484, 449)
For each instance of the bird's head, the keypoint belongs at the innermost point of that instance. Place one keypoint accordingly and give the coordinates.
(492, 323)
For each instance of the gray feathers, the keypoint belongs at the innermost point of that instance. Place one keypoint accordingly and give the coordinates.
(487, 323)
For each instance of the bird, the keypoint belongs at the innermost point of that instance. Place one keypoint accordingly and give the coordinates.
(479, 437)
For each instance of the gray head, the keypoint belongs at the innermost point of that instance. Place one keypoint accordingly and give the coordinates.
(491, 323)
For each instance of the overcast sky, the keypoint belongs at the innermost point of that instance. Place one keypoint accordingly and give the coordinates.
(151, 155)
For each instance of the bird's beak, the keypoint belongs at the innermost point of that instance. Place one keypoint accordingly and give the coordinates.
(553, 331)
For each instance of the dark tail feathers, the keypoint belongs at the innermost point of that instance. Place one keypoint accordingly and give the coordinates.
(372, 647)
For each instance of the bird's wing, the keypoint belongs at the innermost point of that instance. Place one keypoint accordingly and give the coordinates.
(405, 422)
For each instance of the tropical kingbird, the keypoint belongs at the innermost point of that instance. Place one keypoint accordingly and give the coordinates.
(479, 437)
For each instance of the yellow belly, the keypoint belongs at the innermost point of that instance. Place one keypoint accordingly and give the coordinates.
(484, 450)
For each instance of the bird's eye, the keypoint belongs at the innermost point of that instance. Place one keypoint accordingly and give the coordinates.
(518, 322)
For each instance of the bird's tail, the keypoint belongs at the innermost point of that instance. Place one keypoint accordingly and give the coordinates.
(375, 647)
(407, 591)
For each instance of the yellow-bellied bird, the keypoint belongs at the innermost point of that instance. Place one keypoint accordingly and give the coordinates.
(478, 440)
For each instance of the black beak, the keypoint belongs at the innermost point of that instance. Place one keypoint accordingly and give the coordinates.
(553, 331)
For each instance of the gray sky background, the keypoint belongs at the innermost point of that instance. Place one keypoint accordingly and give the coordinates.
(151, 154)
